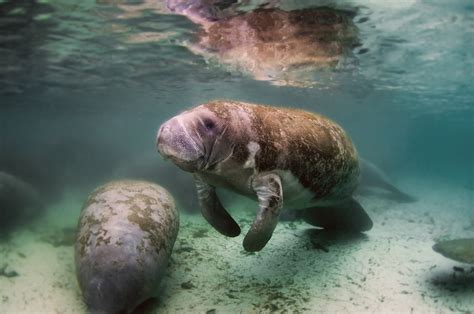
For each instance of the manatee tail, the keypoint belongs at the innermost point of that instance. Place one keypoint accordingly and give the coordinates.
(373, 177)
(349, 216)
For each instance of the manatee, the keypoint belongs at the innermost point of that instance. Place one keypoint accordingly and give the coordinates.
(125, 236)
(278, 156)
(282, 47)
(148, 167)
(460, 250)
(19, 202)
(285, 47)
(290, 46)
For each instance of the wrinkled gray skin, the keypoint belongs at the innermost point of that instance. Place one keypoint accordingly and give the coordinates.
(277, 156)
(126, 232)
(19, 202)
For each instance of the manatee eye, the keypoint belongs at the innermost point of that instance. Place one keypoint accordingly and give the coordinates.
(209, 124)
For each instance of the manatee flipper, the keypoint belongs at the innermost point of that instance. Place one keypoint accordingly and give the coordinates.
(213, 211)
(371, 176)
(270, 200)
(348, 216)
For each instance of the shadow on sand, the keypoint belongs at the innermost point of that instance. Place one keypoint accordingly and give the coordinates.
(458, 280)
(321, 239)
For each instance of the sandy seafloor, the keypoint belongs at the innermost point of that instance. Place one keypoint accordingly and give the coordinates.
(392, 268)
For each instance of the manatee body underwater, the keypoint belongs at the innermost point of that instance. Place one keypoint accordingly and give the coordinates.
(283, 158)
(125, 236)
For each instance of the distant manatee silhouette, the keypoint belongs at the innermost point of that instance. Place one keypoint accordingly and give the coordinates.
(372, 177)
(19, 202)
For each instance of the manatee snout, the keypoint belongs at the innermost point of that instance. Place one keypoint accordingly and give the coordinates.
(111, 292)
(176, 142)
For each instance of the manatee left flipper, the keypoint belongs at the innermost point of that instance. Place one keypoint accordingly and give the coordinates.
(268, 188)
(213, 211)
(349, 216)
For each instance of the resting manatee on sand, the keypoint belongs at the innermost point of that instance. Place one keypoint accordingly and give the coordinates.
(278, 156)
(125, 236)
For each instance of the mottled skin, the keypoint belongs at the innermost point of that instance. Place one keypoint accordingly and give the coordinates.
(282, 43)
(461, 250)
(126, 232)
(276, 155)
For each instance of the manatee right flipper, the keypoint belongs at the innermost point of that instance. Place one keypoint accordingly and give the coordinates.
(213, 211)
(349, 216)
(268, 189)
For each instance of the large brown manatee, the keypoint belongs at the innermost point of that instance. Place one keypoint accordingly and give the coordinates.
(278, 156)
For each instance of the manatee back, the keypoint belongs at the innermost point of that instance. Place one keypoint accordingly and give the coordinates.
(312, 147)
(126, 232)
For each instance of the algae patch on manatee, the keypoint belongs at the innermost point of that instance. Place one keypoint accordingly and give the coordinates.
(461, 250)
